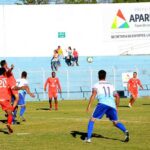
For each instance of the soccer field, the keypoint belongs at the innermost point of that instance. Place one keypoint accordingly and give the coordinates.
(65, 129)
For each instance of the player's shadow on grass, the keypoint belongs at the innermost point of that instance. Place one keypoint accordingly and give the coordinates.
(124, 106)
(3, 121)
(42, 109)
(4, 131)
(83, 135)
(146, 104)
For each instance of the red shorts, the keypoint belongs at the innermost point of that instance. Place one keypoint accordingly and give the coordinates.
(52, 94)
(134, 94)
(6, 105)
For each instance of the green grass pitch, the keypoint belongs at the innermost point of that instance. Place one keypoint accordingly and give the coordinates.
(65, 128)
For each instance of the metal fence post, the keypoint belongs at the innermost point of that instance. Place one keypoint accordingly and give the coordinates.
(91, 78)
(114, 73)
(68, 85)
(44, 79)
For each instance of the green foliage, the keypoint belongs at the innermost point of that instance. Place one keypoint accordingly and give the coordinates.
(80, 1)
(129, 1)
(35, 1)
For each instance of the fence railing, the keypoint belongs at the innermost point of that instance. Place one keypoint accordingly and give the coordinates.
(77, 83)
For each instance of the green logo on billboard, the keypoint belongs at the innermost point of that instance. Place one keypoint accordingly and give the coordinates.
(61, 34)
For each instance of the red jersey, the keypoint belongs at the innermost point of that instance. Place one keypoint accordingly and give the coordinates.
(133, 84)
(5, 88)
(75, 53)
(53, 84)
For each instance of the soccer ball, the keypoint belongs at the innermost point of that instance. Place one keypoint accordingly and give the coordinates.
(90, 59)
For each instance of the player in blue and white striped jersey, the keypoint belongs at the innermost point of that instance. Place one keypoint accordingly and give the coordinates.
(108, 101)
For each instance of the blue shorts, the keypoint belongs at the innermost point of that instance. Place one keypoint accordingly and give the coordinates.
(21, 100)
(102, 109)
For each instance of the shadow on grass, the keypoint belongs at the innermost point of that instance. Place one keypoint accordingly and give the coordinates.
(145, 104)
(124, 106)
(4, 131)
(83, 135)
(3, 121)
(42, 109)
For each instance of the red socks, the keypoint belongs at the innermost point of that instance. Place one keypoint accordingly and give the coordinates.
(9, 119)
(56, 105)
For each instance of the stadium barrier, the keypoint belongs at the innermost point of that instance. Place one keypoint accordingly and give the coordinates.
(77, 84)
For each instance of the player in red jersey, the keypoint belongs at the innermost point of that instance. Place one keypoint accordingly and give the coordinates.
(133, 84)
(53, 89)
(5, 97)
(12, 79)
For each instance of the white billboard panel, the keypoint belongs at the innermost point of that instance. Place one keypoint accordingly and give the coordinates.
(94, 30)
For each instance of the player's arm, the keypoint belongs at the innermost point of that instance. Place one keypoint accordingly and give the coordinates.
(117, 99)
(26, 88)
(94, 93)
(140, 84)
(10, 69)
(45, 85)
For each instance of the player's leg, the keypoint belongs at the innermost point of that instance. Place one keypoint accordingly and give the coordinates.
(14, 109)
(55, 99)
(7, 107)
(132, 99)
(90, 129)
(21, 103)
(97, 114)
(113, 116)
(56, 103)
(16, 96)
(22, 111)
(121, 126)
(50, 103)
(50, 95)
(15, 114)
(9, 120)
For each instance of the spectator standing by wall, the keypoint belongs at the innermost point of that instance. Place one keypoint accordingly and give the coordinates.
(54, 61)
(69, 56)
(75, 57)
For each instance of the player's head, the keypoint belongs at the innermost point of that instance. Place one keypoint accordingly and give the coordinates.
(3, 63)
(134, 74)
(53, 74)
(102, 75)
(24, 74)
(2, 71)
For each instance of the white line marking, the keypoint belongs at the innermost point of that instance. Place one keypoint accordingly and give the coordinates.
(23, 133)
(103, 120)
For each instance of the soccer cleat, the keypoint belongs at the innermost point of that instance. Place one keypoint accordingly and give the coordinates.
(22, 118)
(14, 122)
(126, 136)
(87, 140)
(10, 130)
(130, 106)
